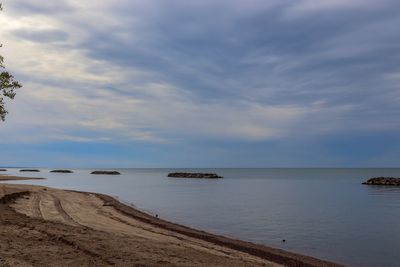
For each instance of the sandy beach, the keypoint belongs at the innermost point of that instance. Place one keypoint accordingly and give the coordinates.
(41, 226)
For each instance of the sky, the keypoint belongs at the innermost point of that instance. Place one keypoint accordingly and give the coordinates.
(212, 83)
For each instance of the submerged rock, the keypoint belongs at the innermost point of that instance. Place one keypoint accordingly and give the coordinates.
(62, 171)
(29, 170)
(383, 181)
(106, 172)
(194, 175)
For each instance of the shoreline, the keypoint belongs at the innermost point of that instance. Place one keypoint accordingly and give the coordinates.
(134, 217)
(5, 177)
(275, 255)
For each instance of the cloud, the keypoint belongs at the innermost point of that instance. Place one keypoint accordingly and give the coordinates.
(310, 7)
(157, 116)
(44, 36)
(33, 7)
(166, 73)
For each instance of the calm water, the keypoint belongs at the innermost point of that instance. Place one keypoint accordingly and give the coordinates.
(325, 213)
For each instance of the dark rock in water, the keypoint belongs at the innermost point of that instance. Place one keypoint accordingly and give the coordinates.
(106, 172)
(194, 175)
(62, 171)
(29, 170)
(383, 181)
(3, 170)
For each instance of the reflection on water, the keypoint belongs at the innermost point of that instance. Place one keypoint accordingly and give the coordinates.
(382, 190)
(325, 213)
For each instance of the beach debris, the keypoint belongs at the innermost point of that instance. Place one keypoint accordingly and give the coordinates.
(106, 172)
(29, 170)
(62, 171)
(393, 181)
(194, 175)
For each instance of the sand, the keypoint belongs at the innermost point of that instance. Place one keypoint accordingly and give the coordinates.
(41, 226)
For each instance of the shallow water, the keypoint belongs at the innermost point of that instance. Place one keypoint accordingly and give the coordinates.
(325, 213)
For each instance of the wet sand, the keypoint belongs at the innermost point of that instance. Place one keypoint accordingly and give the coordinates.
(41, 226)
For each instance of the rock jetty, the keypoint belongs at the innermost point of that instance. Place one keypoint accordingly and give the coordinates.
(29, 170)
(194, 175)
(383, 181)
(62, 171)
(106, 172)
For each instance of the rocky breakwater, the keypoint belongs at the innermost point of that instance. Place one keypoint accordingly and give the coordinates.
(383, 181)
(106, 172)
(62, 171)
(194, 175)
(29, 170)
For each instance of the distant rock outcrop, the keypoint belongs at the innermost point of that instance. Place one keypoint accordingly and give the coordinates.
(3, 170)
(194, 175)
(106, 172)
(62, 171)
(383, 181)
(29, 170)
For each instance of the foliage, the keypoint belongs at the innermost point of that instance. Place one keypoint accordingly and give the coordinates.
(7, 86)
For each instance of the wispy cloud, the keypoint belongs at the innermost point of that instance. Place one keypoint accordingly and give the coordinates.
(158, 72)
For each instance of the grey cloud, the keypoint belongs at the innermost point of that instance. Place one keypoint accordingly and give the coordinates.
(220, 52)
(208, 54)
(42, 36)
(337, 57)
(32, 7)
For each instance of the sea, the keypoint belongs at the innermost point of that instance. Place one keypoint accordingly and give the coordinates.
(325, 213)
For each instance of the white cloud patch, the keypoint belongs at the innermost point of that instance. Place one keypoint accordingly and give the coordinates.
(304, 8)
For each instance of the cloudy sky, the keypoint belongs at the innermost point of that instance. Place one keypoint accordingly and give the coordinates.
(213, 83)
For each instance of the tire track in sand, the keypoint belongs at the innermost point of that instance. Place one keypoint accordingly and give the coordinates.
(35, 206)
(2, 191)
(63, 213)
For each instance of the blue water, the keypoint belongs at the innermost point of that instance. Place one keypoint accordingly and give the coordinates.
(325, 213)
